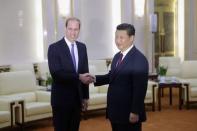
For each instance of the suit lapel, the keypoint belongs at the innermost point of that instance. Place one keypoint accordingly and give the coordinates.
(115, 60)
(66, 51)
(117, 70)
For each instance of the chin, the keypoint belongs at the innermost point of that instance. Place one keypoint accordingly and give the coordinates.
(120, 48)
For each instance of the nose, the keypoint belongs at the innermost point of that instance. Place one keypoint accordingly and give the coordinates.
(73, 32)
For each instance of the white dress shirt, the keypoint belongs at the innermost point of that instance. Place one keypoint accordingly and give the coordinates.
(126, 51)
(75, 50)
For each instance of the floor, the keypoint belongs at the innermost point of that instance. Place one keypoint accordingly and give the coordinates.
(170, 118)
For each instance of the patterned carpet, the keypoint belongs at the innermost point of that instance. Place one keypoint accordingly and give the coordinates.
(170, 118)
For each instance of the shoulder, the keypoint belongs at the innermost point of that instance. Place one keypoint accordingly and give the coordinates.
(141, 57)
(57, 44)
(81, 45)
(139, 53)
(116, 55)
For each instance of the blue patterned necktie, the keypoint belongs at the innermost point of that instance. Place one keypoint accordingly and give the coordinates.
(73, 55)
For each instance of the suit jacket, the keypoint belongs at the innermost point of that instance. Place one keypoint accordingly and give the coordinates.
(127, 86)
(67, 89)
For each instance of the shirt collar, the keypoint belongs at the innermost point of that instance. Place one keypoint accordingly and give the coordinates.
(127, 50)
(68, 42)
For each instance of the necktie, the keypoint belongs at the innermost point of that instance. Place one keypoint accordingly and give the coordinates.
(119, 60)
(73, 55)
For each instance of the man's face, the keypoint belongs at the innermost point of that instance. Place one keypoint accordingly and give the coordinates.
(123, 40)
(72, 30)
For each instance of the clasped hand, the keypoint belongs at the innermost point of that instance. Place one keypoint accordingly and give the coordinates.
(86, 78)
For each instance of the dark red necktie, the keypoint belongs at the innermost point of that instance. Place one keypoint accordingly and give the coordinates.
(119, 60)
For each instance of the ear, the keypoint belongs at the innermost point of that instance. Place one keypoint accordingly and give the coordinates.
(132, 38)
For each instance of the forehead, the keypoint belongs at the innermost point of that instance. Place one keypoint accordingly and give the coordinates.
(73, 23)
(121, 32)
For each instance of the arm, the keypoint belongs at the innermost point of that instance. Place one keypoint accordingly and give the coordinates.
(85, 87)
(56, 69)
(102, 79)
(140, 79)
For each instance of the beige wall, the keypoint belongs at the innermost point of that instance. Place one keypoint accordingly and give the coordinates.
(18, 31)
(190, 29)
(96, 28)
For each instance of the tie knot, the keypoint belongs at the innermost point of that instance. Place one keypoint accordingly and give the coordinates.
(121, 55)
(72, 45)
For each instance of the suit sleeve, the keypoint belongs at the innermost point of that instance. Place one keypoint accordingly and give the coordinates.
(140, 79)
(102, 79)
(58, 73)
(85, 88)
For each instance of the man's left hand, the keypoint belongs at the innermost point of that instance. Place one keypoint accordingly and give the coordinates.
(84, 105)
(133, 118)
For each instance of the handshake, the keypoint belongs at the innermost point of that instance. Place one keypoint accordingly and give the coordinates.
(87, 78)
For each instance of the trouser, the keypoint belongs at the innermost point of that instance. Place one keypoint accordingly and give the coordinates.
(126, 126)
(66, 119)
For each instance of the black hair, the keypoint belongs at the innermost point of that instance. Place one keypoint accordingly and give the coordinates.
(128, 27)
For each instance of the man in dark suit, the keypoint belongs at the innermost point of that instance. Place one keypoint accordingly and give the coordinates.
(68, 62)
(127, 83)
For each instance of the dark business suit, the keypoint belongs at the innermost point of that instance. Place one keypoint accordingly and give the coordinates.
(127, 88)
(67, 90)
